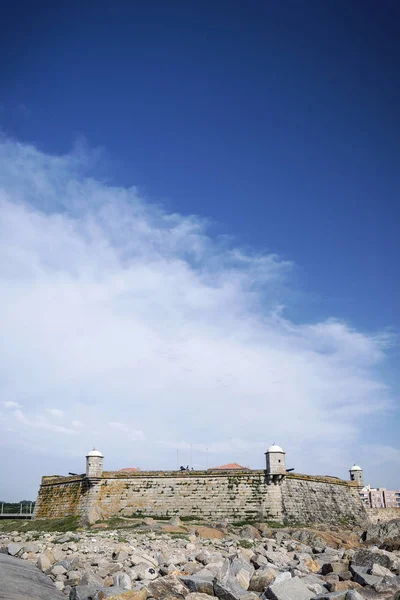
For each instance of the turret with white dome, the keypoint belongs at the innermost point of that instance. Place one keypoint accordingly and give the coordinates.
(357, 475)
(94, 464)
(276, 464)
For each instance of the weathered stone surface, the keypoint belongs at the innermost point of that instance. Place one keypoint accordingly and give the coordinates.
(89, 578)
(122, 580)
(167, 586)
(388, 585)
(338, 567)
(332, 596)
(246, 495)
(226, 586)
(202, 585)
(367, 557)
(340, 586)
(83, 592)
(262, 578)
(21, 580)
(144, 572)
(380, 571)
(248, 532)
(383, 531)
(354, 595)
(131, 595)
(43, 563)
(361, 576)
(289, 589)
(13, 549)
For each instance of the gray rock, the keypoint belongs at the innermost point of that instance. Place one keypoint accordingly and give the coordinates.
(21, 580)
(289, 589)
(239, 564)
(332, 596)
(226, 586)
(361, 576)
(262, 579)
(91, 579)
(243, 578)
(250, 533)
(13, 549)
(58, 570)
(202, 585)
(367, 557)
(383, 531)
(279, 558)
(175, 521)
(167, 586)
(388, 585)
(337, 566)
(381, 571)
(144, 572)
(282, 577)
(123, 581)
(354, 595)
(83, 592)
(74, 577)
(43, 563)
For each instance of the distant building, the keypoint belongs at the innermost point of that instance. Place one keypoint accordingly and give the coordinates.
(229, 467)
(380, 497)
(130, 470)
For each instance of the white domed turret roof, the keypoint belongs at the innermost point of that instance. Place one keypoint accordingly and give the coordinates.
(355, 468)
(275, 448)
(95, 452)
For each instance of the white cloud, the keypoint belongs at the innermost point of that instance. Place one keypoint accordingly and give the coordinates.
(55, 412)
(9, 404)
(126, 314)
(134, 434)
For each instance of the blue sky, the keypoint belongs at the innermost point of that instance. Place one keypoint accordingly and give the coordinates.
(277, 126)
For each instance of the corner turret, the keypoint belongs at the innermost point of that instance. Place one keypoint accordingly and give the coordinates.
(94, 464)
(276, 464)
(357, 475)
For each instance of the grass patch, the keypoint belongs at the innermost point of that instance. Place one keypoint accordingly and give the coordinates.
(245, 544)
(50, 525)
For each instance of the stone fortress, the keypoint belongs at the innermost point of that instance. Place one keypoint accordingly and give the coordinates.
(274, 494)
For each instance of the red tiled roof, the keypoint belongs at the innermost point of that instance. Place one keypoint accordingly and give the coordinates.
(129, 469)
(229, 466)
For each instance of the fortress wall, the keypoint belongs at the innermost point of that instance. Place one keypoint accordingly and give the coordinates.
(60, 497)
(382, 515)
(208, 495)
(307, 500)
(235, 496)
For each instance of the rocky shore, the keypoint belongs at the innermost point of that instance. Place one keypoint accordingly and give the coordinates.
(175, 560)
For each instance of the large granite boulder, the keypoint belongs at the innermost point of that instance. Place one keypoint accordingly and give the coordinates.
(21, 580)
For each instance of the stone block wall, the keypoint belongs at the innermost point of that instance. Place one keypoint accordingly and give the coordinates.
(60, 497)
(382, 515)
(309, 500)
(213, 496)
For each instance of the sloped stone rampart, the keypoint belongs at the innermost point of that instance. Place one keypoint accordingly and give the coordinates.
(60, 497)
(321, 500)
(210, 495)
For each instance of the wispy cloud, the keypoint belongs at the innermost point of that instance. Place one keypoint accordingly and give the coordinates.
(9, 404)
(120, 308)
(55, 412)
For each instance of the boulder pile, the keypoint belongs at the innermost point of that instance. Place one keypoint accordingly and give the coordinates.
(173, 562)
